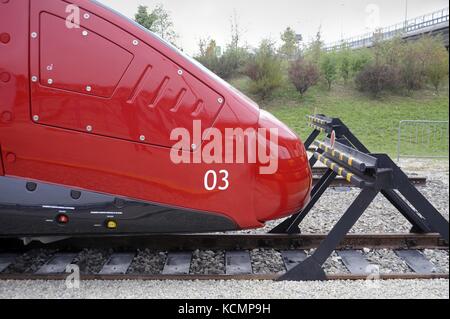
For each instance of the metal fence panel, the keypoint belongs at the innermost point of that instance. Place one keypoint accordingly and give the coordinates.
(423, 139)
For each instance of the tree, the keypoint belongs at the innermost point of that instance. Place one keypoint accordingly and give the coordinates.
(208, 54)
(233, 59)
(328, 66)
(290, 47)
(264, 69)
(345, 64)
(236, 33)
(412, 66)
(303, 74)
(315, 49)
(144, 18)
(157, 21)
(437, 67)
(434, 58)
(360, 58)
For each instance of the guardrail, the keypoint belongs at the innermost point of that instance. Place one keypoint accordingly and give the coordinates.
(423, 139)
(402, 28)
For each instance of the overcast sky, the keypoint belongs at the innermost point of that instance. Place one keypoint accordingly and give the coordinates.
(195, 19)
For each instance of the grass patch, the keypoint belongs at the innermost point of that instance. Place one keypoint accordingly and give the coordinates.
(374, 121)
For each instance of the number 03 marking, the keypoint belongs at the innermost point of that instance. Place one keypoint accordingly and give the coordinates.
(211, 180)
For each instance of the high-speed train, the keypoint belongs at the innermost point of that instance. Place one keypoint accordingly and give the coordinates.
(106, 129)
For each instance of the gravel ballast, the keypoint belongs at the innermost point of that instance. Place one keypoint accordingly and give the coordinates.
(406, 289)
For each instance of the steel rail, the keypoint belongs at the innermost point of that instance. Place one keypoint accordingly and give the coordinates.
(227, 242)
(257, 277)
(180, 242)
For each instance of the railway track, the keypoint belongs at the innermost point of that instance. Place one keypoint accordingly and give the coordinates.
(318, 172)
(176, 256)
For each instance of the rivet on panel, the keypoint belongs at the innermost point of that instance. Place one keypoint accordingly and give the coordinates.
(36, 118)
(86, 16)
(135, 42)
(194, 146)
(34, 35)
(84, 33)
(89, 128)
(88, 88)
(220, 100)
(50, 81)
(6, 117)
(5, 77)
(5, 38)
(10, 157)
(142, 138)
(34, 79)
(180, 72)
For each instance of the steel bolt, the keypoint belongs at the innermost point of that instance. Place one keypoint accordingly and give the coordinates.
(34, 78)
(5, 38)
(50, 81)
(135, 42)
(34, 35)
(220, 100)
(36, 118)
(89, 128)
(142, 138)
(86, 16)
(88, 88)
(84, 33)
(180, 72)
(5, 77)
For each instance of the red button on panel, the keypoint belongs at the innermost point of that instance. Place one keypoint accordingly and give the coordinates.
(5, 38)
(62, 219)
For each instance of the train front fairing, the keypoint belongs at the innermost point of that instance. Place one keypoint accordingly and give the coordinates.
(98, 118)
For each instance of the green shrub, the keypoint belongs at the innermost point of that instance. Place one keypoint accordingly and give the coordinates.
(412, 66)
(437, 68)
(344, 64)
(435, 60)
(265, 70)
(328, 67)
(303, 74)
(359, 59)
(227, 65)
(376, 78)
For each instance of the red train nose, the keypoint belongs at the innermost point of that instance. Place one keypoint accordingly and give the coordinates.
(282, 185)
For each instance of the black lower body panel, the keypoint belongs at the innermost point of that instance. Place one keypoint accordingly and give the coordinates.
(39, 209)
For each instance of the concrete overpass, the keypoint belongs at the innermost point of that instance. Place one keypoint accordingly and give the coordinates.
(436, 23)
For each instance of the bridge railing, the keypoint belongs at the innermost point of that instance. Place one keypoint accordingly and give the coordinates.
(403, 28)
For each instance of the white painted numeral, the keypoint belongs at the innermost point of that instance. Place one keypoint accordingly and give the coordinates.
(211, 180)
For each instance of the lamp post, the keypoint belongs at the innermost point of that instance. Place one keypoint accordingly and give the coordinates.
(406, 15)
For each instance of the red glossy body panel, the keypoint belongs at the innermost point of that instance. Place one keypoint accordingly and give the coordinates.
(155, 95)
(112, 158)
(91, 55)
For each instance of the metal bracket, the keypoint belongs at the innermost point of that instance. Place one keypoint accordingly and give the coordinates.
(374, 174)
